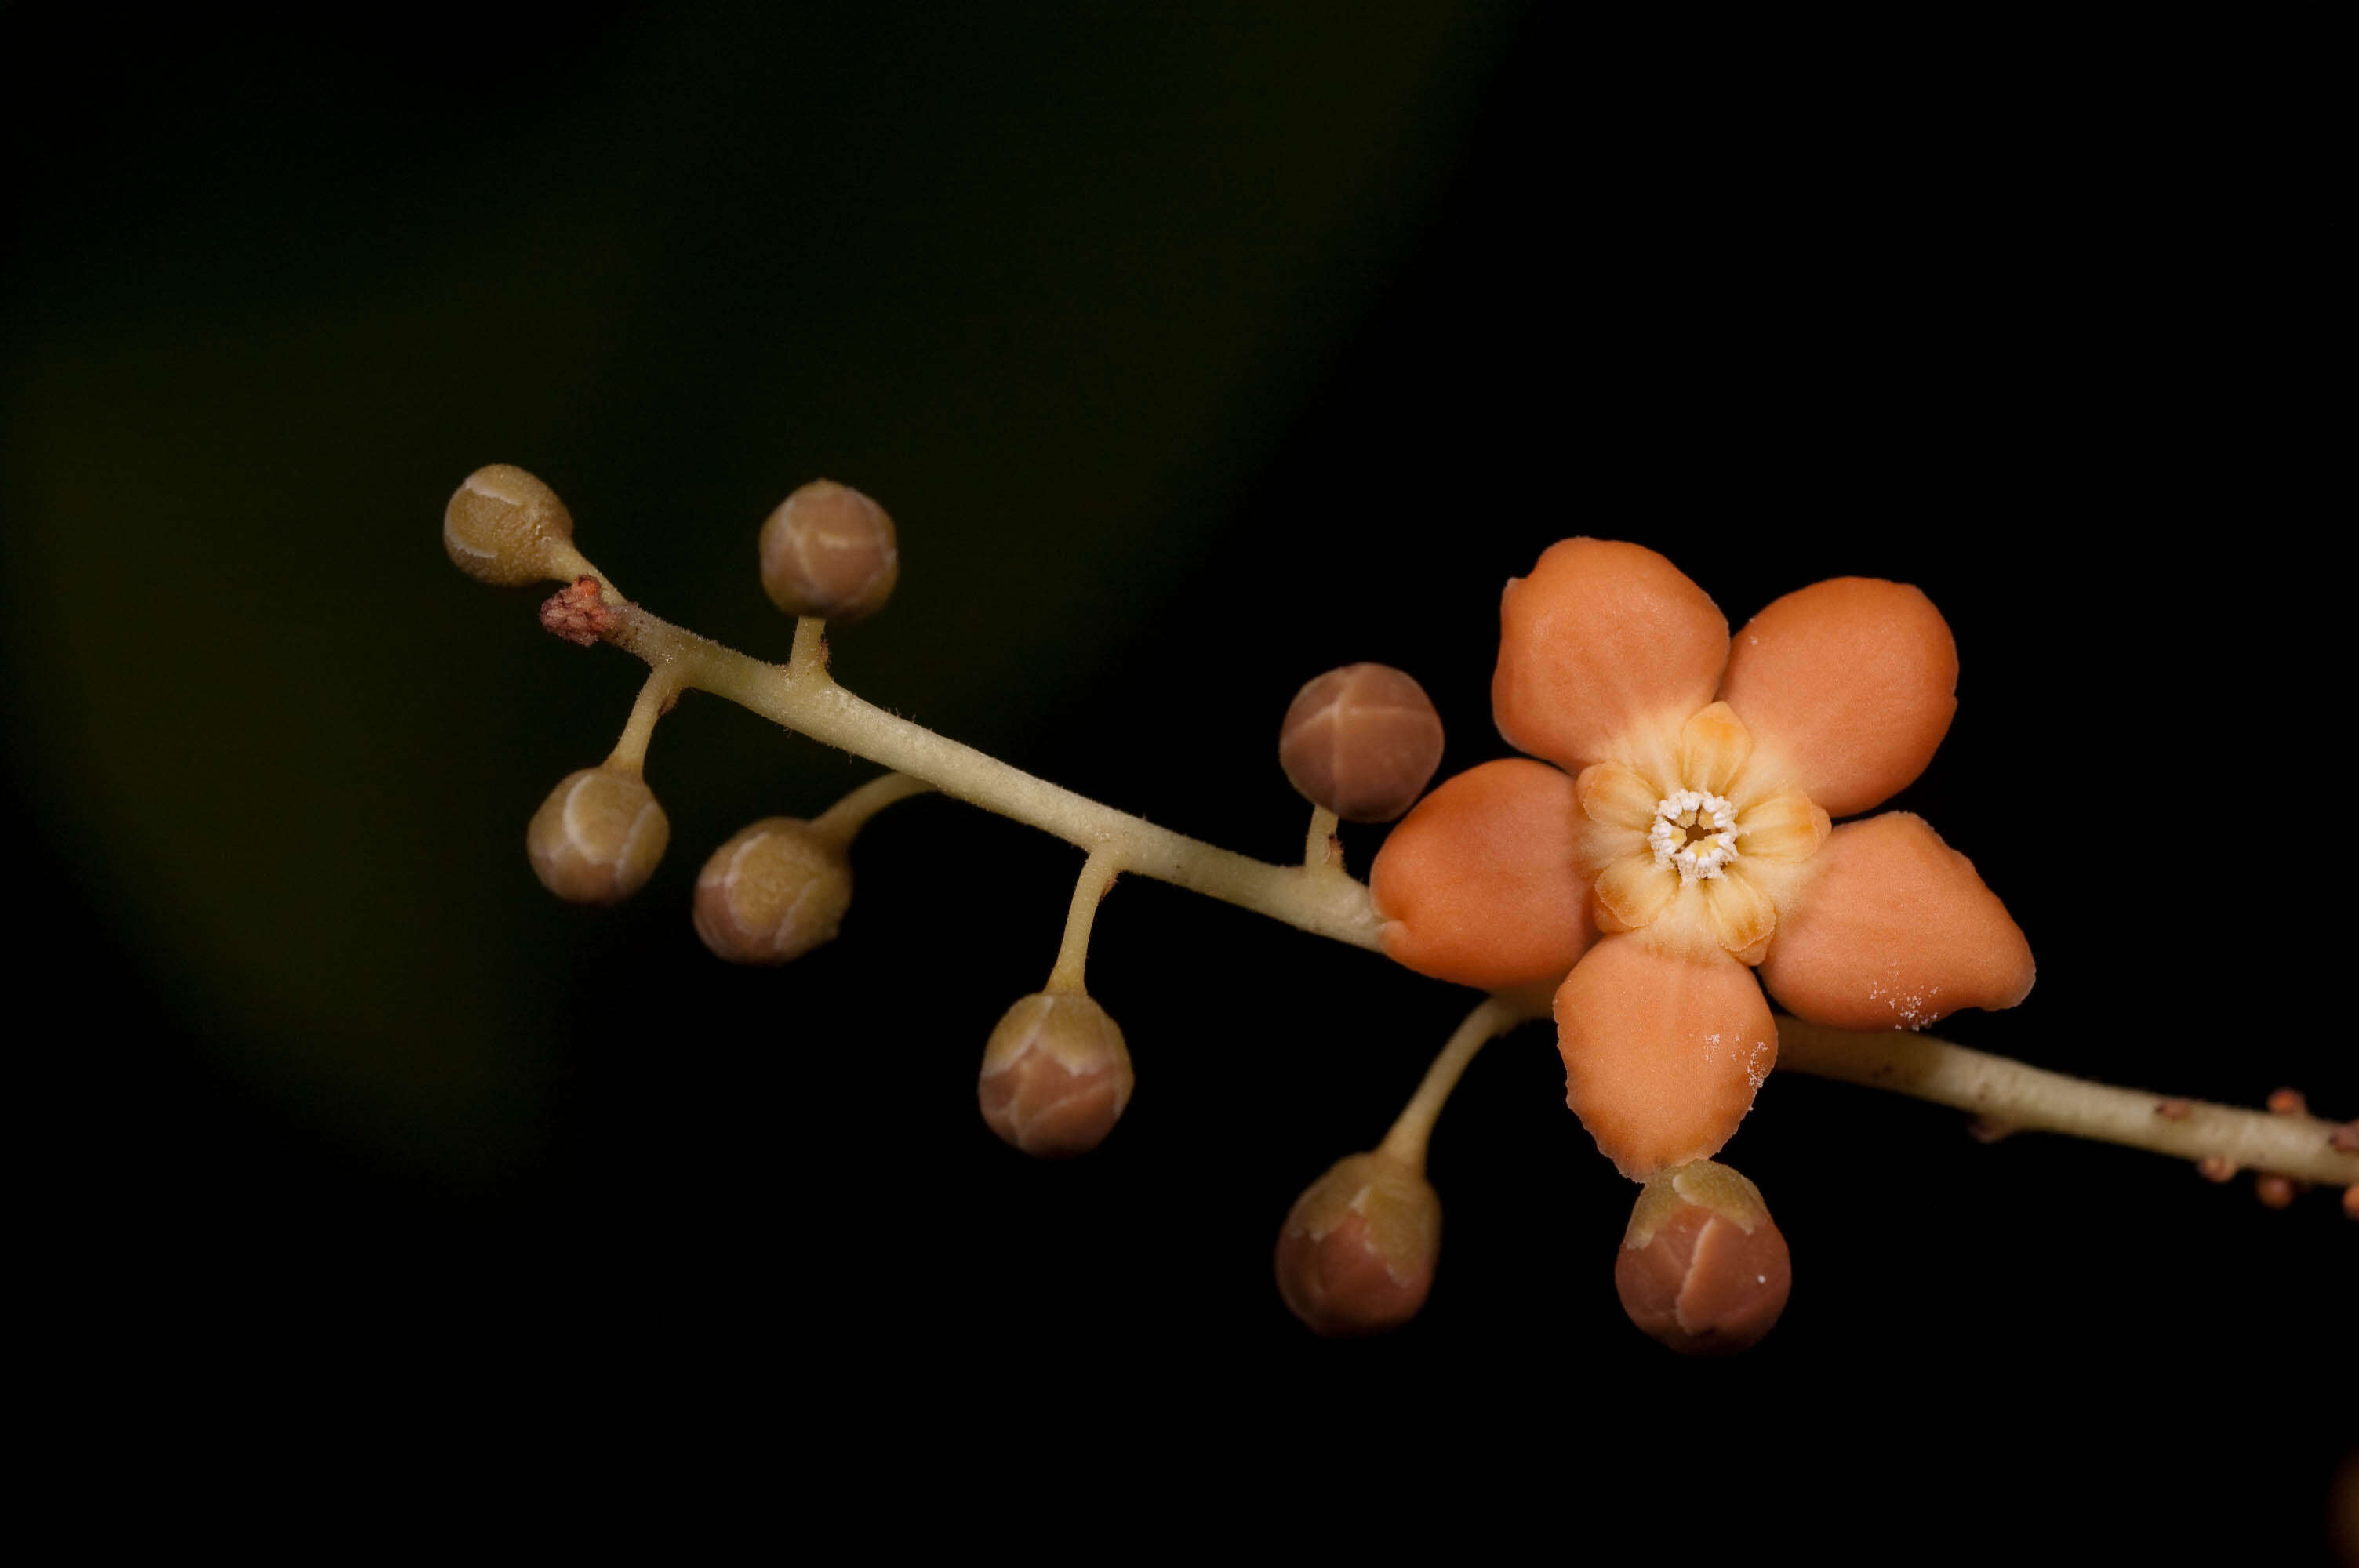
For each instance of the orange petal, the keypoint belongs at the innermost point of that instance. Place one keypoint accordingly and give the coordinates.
(1893, 931)
(1662, 1054)
(1479, 884)
(1602, 638)
(1852, 681)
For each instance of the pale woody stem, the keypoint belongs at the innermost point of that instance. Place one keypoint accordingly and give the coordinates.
(839, 822)
(1414, 1127)
(1097, 875)
(801, 696)
(2021, 1096)
(630, 753)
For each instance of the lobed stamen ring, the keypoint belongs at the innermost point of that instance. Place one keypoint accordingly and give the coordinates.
(1699, 859)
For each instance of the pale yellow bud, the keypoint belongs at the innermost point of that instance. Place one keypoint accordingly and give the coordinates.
(505, 526)
(773, 893)
(598, 836)
(828, 551)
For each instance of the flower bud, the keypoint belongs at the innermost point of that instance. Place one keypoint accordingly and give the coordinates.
(1362, 742)
(505, 526)
(828, 551)
(598, 836)
(1703, 1268)
(772, 893)
(1357, 1251)
(1056, 1075)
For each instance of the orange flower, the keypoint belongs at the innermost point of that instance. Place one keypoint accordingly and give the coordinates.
(1686, 843)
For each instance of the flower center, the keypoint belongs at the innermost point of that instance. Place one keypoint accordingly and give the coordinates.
(1694, 831)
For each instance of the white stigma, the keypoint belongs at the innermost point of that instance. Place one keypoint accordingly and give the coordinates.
(1701, 860)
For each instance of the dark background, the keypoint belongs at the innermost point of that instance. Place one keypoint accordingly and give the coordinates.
(1194, 353)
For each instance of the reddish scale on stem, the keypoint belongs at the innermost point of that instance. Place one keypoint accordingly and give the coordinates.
(577, 612)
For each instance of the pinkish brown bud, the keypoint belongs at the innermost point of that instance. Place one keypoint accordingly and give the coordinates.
(501, 527)
(1703, 1266)
(828, 551)
(2274, 1191)
(773, 893)
(1357, 1251)
(1056, 1075)
(1361, 741)
(598, 836)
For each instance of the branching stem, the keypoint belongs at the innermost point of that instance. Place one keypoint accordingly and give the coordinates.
(654, 698)
(1320, 897)
(802, 696)
(1414, 1127)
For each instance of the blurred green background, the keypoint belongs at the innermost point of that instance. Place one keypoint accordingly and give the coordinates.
(1195, 351)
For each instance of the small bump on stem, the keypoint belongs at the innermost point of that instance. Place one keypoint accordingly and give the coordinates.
(1322, 851)
(808, 661)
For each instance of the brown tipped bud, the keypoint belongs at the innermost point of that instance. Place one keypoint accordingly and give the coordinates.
(2274, 1191)
(505, 526)
(1361, 741)
(1703, 1266)
(1055, 1076)
(1357, 1251)
(772, 894)
(598, 836)
(828, 551)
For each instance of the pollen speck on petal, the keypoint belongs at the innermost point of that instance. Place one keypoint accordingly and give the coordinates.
(1895, 930)
(1662, 1055)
